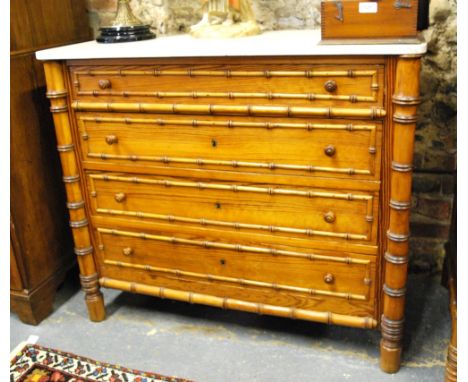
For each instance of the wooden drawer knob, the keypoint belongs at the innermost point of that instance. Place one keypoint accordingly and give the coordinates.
(120, 197)
(329, 217)
(330, 86)
(329, 278)
(330, 150)
(127, 251)
(104, 84)
(112, 139)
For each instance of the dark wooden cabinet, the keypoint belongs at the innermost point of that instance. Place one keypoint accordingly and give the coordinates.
(41, 248)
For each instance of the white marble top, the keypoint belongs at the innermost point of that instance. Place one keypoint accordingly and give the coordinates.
(278, 43)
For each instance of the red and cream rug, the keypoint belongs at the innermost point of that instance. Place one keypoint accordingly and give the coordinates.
(35, 363)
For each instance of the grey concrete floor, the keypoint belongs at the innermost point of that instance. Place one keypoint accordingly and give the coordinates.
(210, 345)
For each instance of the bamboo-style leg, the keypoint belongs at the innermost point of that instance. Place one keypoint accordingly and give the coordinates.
(405, 100)
(57, 93)
(451, 366)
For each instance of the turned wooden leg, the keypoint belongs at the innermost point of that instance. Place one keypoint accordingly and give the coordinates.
(451, 366)
(405, 100)
(57, 93)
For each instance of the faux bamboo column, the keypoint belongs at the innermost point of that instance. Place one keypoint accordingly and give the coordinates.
(405, 100)
(57, 93)
(451, 365)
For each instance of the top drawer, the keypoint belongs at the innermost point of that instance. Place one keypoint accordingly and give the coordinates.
(262, 84)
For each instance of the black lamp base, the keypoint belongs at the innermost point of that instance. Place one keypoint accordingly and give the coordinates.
(111, 35)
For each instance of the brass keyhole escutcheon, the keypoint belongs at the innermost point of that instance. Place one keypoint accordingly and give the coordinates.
(330, 150)
(120, 197)
(329, 278)
(330, 86)
(112, 139)
(104, 84)
(214, 143)
(127, 251)
(329, 217)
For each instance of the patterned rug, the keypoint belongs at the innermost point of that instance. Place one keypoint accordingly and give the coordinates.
(34, 363)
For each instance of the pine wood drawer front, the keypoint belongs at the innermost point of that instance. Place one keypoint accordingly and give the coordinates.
(285, 211)
(342, 279)
(263, 84)
(344, 148)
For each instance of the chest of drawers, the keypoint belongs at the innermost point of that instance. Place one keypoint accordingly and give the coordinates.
(275, 182)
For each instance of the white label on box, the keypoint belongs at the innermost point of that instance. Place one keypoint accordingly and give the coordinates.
(368, 7)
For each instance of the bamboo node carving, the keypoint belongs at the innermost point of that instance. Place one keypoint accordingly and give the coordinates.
(396, 260)
(79, 223)
(83, 251)
(401, 292)
(65, 148)
(400, 206)
(54, 94)
(75, 205)
(401, 167)
(392, 332)
(90, 285)
(59, 108)
(397, 238)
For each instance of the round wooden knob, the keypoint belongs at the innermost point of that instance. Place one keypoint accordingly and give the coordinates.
(104, 84)
(112, 139)
(120, 197)
(330, 86)
(329, 217)
(328, 278)
(330, 150)
(127, 251)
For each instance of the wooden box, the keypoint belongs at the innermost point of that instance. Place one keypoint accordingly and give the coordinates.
(375, 20)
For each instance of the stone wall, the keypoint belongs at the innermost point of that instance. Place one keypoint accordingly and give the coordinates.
(436, 134)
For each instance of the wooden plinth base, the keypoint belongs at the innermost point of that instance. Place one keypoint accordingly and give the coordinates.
(34, 306)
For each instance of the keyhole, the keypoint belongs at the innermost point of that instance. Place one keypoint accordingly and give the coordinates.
(218, 205)
(222, 262)
(214, 143)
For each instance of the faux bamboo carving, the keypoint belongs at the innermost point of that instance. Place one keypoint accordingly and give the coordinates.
(232, 247)
(235, 124)
(235, 225)
(212, 162)
(229, 303)
(58, 97)
(196, 123)
(249, 110)
(187, 201)
(241, 282)
(405, 99)
(233, 73)
(235, 188)
(231, 95)
(451, 365)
